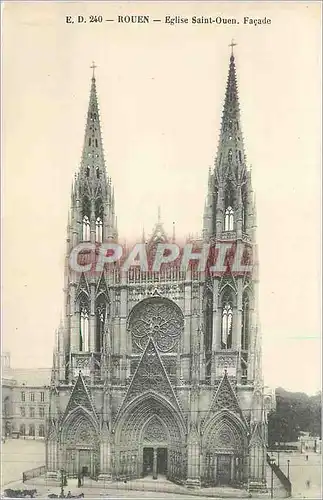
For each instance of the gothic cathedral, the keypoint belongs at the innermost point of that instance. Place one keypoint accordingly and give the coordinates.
(160, 373)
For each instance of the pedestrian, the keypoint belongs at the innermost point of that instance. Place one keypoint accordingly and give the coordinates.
(69, 494)
(306, 458)
(308, 484)
(79, 481)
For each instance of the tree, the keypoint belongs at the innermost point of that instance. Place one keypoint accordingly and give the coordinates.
(295, 412)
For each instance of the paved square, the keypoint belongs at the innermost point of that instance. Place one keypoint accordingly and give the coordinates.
(19, 455)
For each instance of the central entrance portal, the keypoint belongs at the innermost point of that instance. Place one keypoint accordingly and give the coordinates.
(154, 461)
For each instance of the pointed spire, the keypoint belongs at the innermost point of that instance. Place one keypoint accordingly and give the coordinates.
(93, 165)
(159, 235)
(230, 154)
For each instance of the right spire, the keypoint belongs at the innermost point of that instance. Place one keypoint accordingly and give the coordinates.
(230, 149)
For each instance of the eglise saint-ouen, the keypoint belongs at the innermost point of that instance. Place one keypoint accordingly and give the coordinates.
(159, 373)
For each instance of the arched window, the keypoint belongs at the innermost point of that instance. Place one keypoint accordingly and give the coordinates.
(240, 156)
(99, 220)
(228, 219)
(90, 141)
(88, 171)
(245, 321)
(41, 431)
(86, 228)
(230, 156)
(84, 328)
(100, 320)
(31, 430)
(228, 208)
(97, 170)
(22, 429)
(98, 230)
(227, 319)
(96, 142)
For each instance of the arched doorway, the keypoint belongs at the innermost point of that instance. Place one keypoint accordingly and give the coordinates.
(80, 450)
(155, 440)
(224, 450)
(150, 440)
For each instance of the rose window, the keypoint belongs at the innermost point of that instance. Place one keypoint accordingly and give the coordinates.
(159, 319)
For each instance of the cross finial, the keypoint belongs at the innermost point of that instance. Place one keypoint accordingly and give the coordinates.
(93, 68)
(159, 216)
(232, 44)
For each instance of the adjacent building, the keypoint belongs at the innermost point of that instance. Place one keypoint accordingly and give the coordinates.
(159, 373)
(25, 395)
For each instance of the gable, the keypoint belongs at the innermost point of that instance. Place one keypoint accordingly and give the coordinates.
(83, 286)
(150, 375)
(80, 397)
(225, 399)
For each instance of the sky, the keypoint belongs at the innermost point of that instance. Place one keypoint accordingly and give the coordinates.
(161, 91)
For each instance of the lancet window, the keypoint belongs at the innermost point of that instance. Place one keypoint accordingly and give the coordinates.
(86, 232)
(227, 321)
(100, 320)
(228, 209)
(84, 327)
(99, 222)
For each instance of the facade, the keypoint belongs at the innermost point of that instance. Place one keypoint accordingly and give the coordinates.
(25, 394)
(160, 373)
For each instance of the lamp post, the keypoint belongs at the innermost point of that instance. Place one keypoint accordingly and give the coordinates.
(288, 469)
(272, 462)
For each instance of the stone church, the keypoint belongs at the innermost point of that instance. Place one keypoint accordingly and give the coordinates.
(159, 374)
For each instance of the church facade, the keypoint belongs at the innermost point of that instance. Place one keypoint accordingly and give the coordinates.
(159, 373)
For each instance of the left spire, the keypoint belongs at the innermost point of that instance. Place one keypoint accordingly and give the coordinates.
(93, 165)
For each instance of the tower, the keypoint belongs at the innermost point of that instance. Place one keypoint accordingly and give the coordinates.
(159, 372)
(233, 341)
(80, 348)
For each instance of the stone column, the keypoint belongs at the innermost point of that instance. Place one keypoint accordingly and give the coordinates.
(75, 327)
(155, 464)
(214, 467)
(193, 469)
(232, 468)
(239, 213)
(123, 328)
(236, 341)
(92, 331)
(219, 212)
(92, 222)
(216, 330)
(187, 329)
(105, 460)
